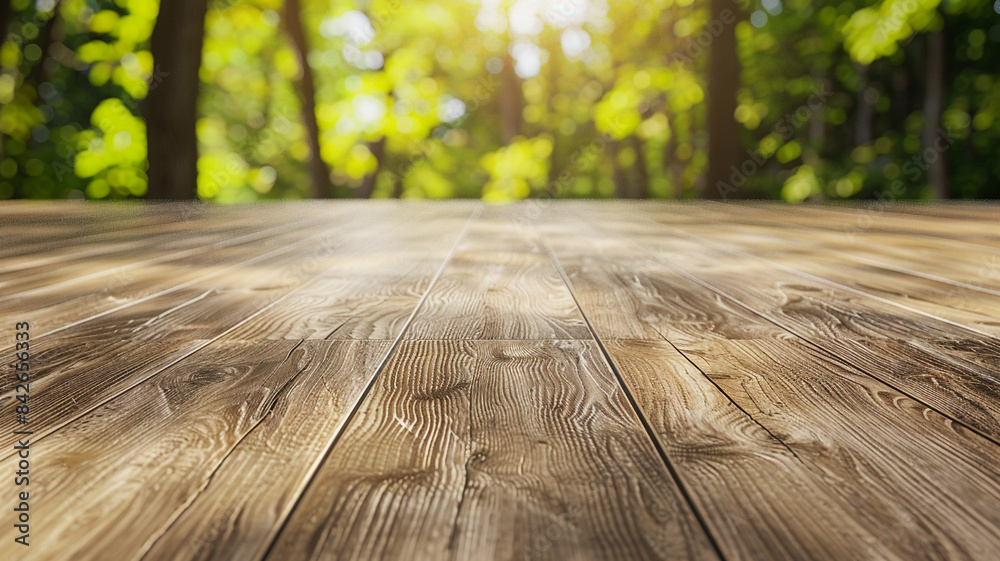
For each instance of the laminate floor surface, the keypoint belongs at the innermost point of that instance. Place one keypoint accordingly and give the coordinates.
(455, 381)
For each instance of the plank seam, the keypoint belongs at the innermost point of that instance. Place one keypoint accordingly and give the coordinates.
(206, 276)
(195, 348)
(834, 284)
(664, 457)
(823, 350)
(162, 531)
(867, 261)
(731, 400)
(169, 257)
(311, 476)
(851, 229)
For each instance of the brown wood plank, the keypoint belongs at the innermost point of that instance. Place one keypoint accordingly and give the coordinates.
(236, 513)
(56, 307)
(849, 431)
(972, 267)
(964, 306)
(493, 450)
(771, 383)
(66, 265)
(178, 323)
(876, 220)
(926, 485)
(131, 465)
(75, 298)
(953, 210)
(890, 344)
(369, 295)
(500, 285)
(762, 500)
(96, 226)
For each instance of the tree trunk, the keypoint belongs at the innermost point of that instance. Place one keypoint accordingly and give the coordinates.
(640, 183)
(367, 187)
(510, 101)
(5, 15)
(171, 108)
(866, 107)
(51, 32)
(937, 170)
(553, 79)
(817, 123)
(671, 163)
(397, 186)
(319, 173)
(724, 149)
(618, 174)
(901, 97)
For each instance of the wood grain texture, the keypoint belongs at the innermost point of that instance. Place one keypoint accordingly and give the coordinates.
(140, 339)
(889, 343)
(500, 285)
(571, 380)
(369, 294)
(926, 486)
(237, 512)
(170, 435)
(757, 493)
(829, 442)
(493, 450)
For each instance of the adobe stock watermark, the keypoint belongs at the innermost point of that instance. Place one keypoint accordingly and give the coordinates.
(913, 168)
(785, 127)
(899, 15)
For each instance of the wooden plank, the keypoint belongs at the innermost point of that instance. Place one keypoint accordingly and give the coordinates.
(493, 449)
(94, 273)
(52, 308)
(236, 512)
(963, 306)
(369, 295)
(761, 500)
(57, 306)
(848, 430)
(181, 321)
(949, 209)
(890, 344)
(67, 225)
(972, 267)
(134, 249)
(925, 485)
(129, 467)
(500, 285)
(878, 221)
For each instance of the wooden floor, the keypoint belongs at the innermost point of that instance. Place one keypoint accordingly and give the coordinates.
(539, 381)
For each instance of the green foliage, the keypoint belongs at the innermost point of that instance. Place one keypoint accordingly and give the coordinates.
(413, 98)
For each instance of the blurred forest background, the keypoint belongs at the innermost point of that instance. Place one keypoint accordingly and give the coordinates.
(240, 100)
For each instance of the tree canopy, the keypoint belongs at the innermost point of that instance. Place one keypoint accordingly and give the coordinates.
(501, 99)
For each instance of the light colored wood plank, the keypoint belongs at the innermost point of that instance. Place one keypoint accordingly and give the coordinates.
(887, 343)
(64, 265)
(54, 307)
(370, 294)
(500, 285)
(761, 500)
(925, 485)
(181, 321)
(494, 450)
(128, 466)
(963, 306)
(848, 430)
(245, 498)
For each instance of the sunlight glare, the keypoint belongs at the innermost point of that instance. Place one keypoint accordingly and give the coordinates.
(528, 59)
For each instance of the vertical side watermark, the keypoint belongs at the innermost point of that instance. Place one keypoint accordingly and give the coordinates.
(22, 412)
